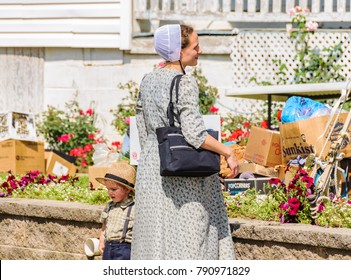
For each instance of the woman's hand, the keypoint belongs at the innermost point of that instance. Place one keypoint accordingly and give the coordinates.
(233, 165)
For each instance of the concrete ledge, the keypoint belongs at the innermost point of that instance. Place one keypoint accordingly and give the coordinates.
(46, 229)
(258, 240)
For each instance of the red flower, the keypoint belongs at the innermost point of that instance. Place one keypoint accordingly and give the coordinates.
(76, 152)
(91, 136)
(89, 112)
(274, 181)
(117, 144)
(279, 115)
(264, 124)
(294, 205)
(214, 109)
(88, 148)
(246, 124)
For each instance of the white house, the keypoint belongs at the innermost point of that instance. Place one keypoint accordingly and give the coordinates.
(50, 49)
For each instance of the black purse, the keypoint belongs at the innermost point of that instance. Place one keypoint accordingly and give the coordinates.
(177, 157)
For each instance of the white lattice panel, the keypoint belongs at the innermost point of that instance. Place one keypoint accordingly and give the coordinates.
(253, 54)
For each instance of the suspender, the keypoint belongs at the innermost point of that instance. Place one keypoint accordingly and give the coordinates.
(126, 222)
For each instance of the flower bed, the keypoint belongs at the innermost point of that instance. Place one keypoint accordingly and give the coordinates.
(38, 186)
(289, 203)
(284, 203)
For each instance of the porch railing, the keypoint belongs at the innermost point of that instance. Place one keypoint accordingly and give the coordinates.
(240, 10)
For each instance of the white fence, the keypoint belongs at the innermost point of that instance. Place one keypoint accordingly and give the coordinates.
(253, 54)
(240, 10)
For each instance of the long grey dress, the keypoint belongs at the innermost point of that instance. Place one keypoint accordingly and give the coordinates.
(175, 217)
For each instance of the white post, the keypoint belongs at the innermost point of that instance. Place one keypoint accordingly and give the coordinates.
(126, 25)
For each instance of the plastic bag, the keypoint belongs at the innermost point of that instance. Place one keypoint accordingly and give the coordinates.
(103, 156)
(300, 108)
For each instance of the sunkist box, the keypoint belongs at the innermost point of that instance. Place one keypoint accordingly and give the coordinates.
(264, 147)
(58, 163)
(21, 156)
(305, 137)
(96, 171)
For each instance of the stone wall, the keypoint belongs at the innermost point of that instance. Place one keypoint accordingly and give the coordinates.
(47, 230)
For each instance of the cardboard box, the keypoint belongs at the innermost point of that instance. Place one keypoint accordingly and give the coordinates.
(97, 171)
(21, 156)
(260, 170)
(305, 137)
(235, 186)
(264, 147)
(15, 125)
(58, 163)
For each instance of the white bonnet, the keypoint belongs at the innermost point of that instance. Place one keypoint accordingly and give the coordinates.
(167, 42)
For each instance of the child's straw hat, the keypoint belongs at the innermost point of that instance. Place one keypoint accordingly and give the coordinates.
(122, 173)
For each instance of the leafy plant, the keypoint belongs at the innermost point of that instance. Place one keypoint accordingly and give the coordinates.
(314, 65)
(126, 109)
(236, 128)
(207, 93)
(72, 131)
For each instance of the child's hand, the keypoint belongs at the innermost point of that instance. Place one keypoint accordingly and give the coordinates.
(101, 246)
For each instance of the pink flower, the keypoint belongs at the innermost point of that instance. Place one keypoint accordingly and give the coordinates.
(311, 26)
(284, 206)
(134, 155)
(321, 207)
(65, 138)
(88, 148)
(291, 12)
(298, 9)
(127, 120)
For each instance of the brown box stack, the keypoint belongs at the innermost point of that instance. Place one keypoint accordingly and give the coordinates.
(59, 164)
(264, 147)
(21, 156)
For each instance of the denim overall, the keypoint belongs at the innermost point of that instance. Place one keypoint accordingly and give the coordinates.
(119, 249)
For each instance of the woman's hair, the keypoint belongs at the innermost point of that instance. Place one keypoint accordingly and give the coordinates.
(185, 30)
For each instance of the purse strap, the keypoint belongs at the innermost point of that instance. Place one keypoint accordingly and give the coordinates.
(170, 108)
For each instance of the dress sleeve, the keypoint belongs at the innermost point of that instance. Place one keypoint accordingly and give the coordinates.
(192, 123)
(140, 119)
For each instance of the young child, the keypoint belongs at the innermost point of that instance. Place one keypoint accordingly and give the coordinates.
(118, 215)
